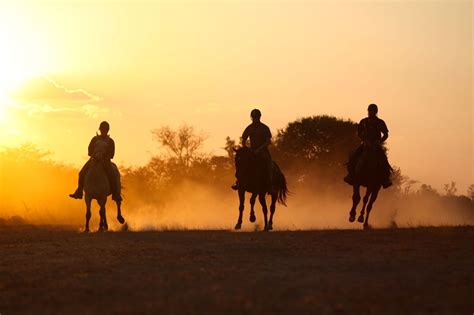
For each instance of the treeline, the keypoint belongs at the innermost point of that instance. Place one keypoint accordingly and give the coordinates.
(311, 151)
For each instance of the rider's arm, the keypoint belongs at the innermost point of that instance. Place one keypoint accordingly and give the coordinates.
(111, 152)
(384, 131)
(245, 136)
(361, 130)
(265, 144)
(90, 148)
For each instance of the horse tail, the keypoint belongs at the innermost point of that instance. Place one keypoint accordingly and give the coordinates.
(282, 188)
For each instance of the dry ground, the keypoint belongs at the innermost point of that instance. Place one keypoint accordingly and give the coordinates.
(46, 270)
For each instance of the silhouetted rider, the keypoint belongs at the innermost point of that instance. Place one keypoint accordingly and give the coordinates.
(373, 131)
(260, 138)
(106, 162)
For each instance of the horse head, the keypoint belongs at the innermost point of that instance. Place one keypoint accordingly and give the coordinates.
(96, 183)
(369, 167)
(243, 159)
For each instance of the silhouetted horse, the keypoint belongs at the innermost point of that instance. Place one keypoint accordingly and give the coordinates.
(97, 186)
(369, 173)
(251, 176)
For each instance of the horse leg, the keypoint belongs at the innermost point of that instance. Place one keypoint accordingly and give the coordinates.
(263, 202)
(103, 217)
(241, 192)
(366, 199)
(101, 221)
(119, 212)
(355, 202)
(272, 210)
(373, 197)
(252, 205)
(88, 201)
(106, 226)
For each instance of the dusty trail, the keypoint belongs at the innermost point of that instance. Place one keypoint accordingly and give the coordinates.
(50, 270)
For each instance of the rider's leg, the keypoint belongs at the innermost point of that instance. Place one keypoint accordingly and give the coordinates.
(235, 186)
(109, 170)
(351, 165)
(80, 185)
(268, 170)
(387, 169)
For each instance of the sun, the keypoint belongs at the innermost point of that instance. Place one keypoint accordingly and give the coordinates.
(24, 54)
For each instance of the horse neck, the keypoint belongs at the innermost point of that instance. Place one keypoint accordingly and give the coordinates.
(96, 181)
(370, 168)
(96, 168)
(247, 165)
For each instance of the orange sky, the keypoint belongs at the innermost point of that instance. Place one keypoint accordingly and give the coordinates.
(67, 65)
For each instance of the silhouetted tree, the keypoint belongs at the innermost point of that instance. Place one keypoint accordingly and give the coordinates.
(398, 179)
(408, 185)
(470, 192)
(182, 144)
(230, 145)
(313, 152)
(27, 152)
(322, 139)
(427, 191)
(450, 189)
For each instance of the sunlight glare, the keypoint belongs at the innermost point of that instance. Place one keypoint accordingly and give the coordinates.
(23, 54)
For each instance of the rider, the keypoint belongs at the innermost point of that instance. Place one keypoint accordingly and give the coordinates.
(373, 132)
(106, 162)
(260, 138)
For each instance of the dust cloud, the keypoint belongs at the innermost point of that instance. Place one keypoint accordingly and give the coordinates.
(196, 206)
(34, 190)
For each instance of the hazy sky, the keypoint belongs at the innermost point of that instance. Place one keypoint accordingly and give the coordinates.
(67, 65)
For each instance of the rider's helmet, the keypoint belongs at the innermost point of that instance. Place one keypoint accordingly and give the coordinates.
(373, 107)
(104, 126)
(255, 113)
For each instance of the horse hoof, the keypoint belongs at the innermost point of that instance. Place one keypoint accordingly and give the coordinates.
(367, 227)
(361, 219)
(269, 228)
(86, 230)
(238, 226)
(120, 219)
(252, 218)
(352, 217)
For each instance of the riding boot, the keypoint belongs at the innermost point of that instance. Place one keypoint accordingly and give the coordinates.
(77, 194)
(235, 186)
(109, 170)
(115, 190)
(350, 173)
(349, 179)
(117, 197)
(80, 185)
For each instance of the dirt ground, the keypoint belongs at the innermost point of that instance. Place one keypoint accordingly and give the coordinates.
(51, 270)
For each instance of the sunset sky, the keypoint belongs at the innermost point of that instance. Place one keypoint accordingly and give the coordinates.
(67, 65)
